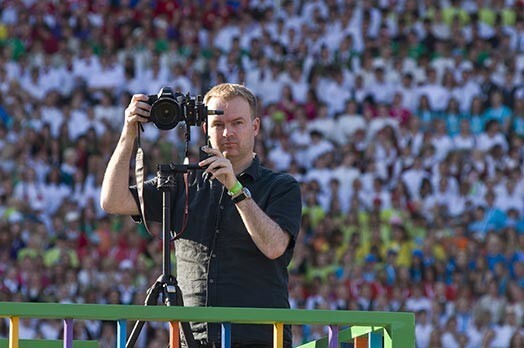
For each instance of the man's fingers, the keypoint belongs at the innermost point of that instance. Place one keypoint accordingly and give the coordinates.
(219, 172)
(136, 118)
(220, 168)
(207, 161)
(138, 103)
(139, 97)
(218, 165)
(214, 165)
(138, 110)
(212, 151)
(143, 106)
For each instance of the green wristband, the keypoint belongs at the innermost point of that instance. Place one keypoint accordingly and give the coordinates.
(236, 189)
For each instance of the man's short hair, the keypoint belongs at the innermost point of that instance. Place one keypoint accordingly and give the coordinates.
(228, 91)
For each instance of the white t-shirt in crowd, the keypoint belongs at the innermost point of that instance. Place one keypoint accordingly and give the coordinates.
(464, 142)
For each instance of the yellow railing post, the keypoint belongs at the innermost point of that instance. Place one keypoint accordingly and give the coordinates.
(278, 335)
(13, 331)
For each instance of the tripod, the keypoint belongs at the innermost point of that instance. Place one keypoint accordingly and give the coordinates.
(166, 284)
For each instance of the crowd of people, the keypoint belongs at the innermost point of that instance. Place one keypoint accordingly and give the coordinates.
(403, 122)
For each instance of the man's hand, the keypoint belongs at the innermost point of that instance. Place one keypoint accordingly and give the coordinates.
(219, 167)
(137, 111)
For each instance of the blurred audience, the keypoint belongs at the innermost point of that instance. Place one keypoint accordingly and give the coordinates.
(402, 120)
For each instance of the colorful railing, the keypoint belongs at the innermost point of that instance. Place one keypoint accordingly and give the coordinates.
(363, 329)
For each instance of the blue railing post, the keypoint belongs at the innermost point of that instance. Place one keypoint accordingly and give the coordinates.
(121, 333)
(375, 340)
(226, 335)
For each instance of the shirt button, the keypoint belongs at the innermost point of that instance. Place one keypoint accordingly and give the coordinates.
(213, 255)
(217, 231)
(211, 281)
(221, 207)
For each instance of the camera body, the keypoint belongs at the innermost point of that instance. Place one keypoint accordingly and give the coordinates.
(168, 108)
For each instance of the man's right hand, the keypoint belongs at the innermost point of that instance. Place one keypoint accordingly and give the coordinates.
(137, 111)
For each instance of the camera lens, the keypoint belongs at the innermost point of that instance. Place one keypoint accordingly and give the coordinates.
(165, 114)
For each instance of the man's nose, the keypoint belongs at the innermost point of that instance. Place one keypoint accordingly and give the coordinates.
(227, 131)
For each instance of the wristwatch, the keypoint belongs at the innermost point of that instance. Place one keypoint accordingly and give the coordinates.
(245, 193)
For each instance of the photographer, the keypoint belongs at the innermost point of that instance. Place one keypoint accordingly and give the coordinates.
(243, 218)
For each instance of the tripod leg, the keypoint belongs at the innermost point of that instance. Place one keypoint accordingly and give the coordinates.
(134, 334)
(173, 296)
(150, 300)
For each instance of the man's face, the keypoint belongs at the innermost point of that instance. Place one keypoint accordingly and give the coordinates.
(233, 133)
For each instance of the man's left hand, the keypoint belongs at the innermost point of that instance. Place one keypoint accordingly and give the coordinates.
(219, 167)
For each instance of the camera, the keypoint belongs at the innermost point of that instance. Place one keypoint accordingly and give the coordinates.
(168, 108)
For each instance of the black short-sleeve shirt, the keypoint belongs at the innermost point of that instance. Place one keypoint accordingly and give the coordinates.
(217, 262)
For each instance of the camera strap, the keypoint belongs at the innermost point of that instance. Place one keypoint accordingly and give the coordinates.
(139, 175)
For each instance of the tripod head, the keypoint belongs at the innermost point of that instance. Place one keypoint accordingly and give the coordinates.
(166, 174)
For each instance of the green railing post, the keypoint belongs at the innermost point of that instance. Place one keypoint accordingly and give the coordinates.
(402, 334)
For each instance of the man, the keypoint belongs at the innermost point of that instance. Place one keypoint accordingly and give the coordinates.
(243, 219)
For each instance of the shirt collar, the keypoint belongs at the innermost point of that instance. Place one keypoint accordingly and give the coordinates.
(253, 170)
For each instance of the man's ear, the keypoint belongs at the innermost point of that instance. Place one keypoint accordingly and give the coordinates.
(256, 125)
(204, 127)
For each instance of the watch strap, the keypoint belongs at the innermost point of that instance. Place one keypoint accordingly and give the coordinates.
(241, 196)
